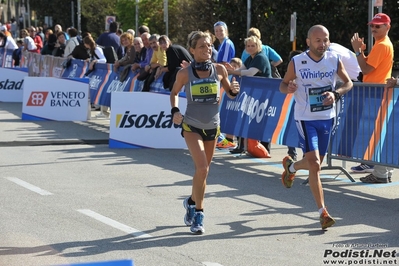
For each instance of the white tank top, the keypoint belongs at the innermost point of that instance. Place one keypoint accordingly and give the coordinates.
(314, 78)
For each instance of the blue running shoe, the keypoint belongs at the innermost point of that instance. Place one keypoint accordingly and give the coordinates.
(190, 211)
(363, 168)
(198, 226)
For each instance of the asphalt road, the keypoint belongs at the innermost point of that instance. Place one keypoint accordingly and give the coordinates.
(67, 198)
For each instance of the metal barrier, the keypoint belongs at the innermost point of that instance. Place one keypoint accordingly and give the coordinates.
(366, 133)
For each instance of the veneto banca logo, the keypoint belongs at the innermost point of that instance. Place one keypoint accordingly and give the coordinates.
(37, 98)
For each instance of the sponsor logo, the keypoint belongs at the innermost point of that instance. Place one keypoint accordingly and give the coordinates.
(251, 107)
(94, 82)
(116, 85)
(307, 74)
(11, 85)
(66, 99)
(128, 120)
(56, 99)
(72, 74)
(37, 98)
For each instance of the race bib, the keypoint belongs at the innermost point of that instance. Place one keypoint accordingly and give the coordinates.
(204, 90)
(316, 99)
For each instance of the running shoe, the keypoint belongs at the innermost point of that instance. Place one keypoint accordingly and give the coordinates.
(372, 179)
(198, 226)
(225, 144)
(287, 177)
(363, 168)
(190, 211)
(326, 220)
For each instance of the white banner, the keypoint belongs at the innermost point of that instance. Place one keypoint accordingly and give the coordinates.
(143, 120)
(12, 84)
(47, 98)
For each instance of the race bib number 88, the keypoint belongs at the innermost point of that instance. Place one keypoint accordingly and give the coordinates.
(204, 90)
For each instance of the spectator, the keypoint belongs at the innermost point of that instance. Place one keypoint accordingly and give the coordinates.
(175, 55)
(348, 58)
(17, 54)
(80, 51)
(223, 143)
(141, 52)
(96, 55)
(376, 68)
(142, 29)
(14, 29)
(3, 28)
(226, 50)
(37, 39)
(131, 31)
(29, 43)
(58, 28)
(7, 42)
(257, 64)
(59, 47)
(274, 58)
(144, 70)
(119, 32)
(126, 40)
(158, 59)
(48, 49)
(40, 33)
(111, 39)
(73, 41)
(46, 34)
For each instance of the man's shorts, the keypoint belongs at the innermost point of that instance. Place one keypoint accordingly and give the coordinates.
(315, 135)
(206, 134)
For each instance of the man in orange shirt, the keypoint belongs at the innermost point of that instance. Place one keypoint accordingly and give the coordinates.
(376, 68)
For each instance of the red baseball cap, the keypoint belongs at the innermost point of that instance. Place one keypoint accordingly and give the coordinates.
(380, 19)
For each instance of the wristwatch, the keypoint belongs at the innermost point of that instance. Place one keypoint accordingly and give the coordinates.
(336, 96)
(358, 53)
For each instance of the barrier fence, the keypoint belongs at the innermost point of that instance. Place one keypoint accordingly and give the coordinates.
(366, 119)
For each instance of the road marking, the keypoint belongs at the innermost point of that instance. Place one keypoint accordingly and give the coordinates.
(114, 224)
(207, 263)
(29, 186)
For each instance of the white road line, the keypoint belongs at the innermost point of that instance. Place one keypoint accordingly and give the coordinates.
(114, 224)
(211, 263)
(29, 186)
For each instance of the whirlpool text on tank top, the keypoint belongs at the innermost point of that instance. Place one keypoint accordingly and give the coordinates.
(306, 73)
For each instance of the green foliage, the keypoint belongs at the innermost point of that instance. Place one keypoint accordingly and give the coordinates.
(341, 17)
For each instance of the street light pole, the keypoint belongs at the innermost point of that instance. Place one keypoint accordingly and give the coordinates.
(137, 17)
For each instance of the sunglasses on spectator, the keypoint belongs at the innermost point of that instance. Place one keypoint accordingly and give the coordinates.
(376, 26)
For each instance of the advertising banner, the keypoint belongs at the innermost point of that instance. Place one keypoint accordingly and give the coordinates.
(143, 120)
(12, 84)
(46, 98)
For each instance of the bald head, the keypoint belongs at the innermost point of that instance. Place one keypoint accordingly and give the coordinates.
(318, 41)
(317, 29)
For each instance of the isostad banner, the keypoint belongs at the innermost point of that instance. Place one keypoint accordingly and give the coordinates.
(12, 84)
(47, 98)
(143, 120)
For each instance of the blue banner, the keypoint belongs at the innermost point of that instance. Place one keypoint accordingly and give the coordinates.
(6, 57)
(260, 112)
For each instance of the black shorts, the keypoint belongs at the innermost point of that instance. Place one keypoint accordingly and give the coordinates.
(206, 134)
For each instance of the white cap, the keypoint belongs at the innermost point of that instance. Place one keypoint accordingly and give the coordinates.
(3, 28)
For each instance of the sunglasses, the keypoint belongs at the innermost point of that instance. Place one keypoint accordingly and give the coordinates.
(376, 26)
